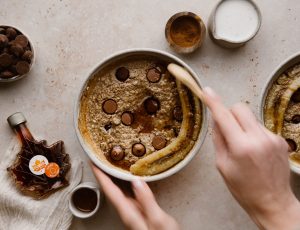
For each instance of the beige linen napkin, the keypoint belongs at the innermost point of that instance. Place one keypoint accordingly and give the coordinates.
(25, 213)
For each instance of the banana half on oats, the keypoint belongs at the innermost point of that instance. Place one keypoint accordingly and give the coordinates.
(282, 109)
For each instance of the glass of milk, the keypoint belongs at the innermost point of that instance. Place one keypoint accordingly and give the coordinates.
(234, 22)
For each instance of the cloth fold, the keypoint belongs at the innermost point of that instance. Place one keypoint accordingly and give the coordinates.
(18, 211)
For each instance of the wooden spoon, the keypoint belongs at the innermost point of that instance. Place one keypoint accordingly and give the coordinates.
(185, 77)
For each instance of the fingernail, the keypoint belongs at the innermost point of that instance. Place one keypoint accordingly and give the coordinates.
(138, 184)
(209, 91)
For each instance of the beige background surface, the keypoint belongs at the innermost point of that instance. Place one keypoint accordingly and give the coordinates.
(72, 36)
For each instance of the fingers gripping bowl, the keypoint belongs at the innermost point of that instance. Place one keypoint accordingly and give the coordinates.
(280, 109)
(134, 119)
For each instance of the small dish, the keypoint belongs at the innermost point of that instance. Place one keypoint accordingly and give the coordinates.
(233, 23)
(92, 187)
(185, 32)
(16, 58)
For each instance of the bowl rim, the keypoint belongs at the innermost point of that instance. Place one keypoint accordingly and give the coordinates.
(127, 176)
(284, 65)
(18, 77)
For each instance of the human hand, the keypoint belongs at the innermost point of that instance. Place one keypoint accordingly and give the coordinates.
(139, 213)
(254, 164)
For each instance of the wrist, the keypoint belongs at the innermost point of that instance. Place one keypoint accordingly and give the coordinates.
(281, 216)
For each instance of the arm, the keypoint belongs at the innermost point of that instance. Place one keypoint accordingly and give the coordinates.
(254, 164)
(138, 213)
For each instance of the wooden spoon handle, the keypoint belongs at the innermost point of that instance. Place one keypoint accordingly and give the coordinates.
(185, 77)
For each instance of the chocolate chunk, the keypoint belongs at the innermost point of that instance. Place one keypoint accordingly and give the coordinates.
(122, 74)
(127, 118)
(108, 126)
(138, 149)
(2, 30)
(5, 60)
(17, 50)
(21, 40)
(6, 74)
(11, 33)
(109, 106)
(3, 41)
(177, 113)
(296, 96)
(117, 153)
(162, 68)
(151, 105)
(153, 75)
(159, 142)
(292, 145)
(27, 56)
(22, 67)
(296, 119)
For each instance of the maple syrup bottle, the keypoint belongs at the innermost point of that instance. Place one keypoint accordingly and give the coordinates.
(38, 169)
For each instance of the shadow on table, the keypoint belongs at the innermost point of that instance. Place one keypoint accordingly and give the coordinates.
(295, 183)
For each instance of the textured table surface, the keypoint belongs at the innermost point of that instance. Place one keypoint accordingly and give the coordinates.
(72, 36)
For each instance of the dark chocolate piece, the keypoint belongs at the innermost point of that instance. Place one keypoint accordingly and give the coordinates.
(22, 67)
(6, 74)
(153, 75)
(127, 118)
(138, 149)
(296, 96)
(296, 119)
(109, 106)
(151, 105)
(27, 56)
(3, 41)
(117, 153)
(177, 113)
(21, 40)
(5, 60)
(159, 142)
(17, 50)
(122, 74)
(292, 145)
(11, 33)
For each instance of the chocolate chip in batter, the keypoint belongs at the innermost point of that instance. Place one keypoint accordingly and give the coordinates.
(22, 67)
(159, 142)
(177, 113)
(153, 75)
(292, 145)
(151, 105)
(109, 106)
(138, 149)
(122, 74)
(296, 96)
(108, 126)
(117, 153)
(127, 118)
(296, 119)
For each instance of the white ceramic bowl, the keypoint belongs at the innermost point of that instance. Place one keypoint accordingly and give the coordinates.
(122, 174)
(294, 59)
(18, 77)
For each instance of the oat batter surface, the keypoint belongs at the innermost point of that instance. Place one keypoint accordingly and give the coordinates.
(134, 108)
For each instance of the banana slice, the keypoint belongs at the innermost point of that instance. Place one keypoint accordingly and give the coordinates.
(167, 157)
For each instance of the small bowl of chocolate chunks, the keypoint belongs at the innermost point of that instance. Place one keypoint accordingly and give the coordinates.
(16, 54)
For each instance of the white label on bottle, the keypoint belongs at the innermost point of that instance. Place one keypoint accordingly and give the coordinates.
(37, 164)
